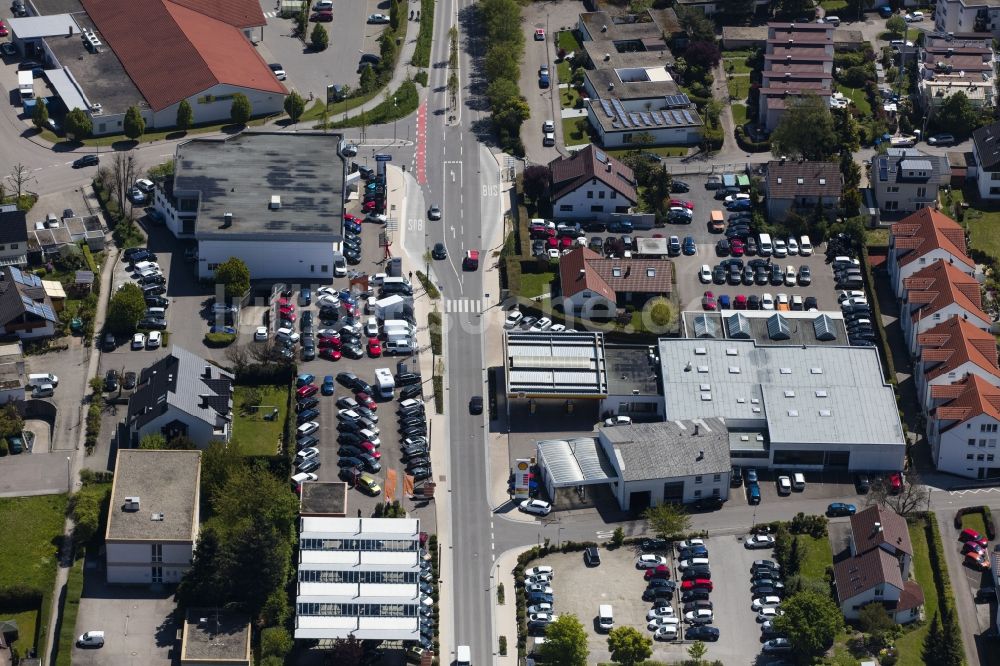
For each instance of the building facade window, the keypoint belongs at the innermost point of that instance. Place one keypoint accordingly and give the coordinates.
(157, 554)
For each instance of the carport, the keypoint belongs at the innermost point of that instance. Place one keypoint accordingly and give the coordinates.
(570, 467)
(67, 89)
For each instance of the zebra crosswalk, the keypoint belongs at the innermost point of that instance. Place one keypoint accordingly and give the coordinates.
(475, 305)
(270, 14)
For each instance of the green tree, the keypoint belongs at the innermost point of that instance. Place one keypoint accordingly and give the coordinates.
(294, 106)
(535, 181)
(275, 641)
(388, 51)
(346, 652)
(876, 622)
(394, 15)
(956, 116)
(205, 583)
(86, 515)
(565, 642)
(952, 650)
(794, 558)
(850, 170)
(501, 64)
(185, 115)
(126, 308)
(78, 125)
(368, 80)
(628, 646)
(257, 557)
(234, 274)
(667, 519)
(735, 12)
(134, 125)
(253, 491)
(218, 462)
(811, 621)
(698, 27)
(319, 38)
(806, 130)
(896, 24)
(933, 652)
(40, 116)
(697, 651)
(618, 537)
(661, 312)
(153, 440)
(848, 130)
(240, 110)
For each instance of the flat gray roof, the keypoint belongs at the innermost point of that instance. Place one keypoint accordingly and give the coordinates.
(212, 635)
(323, 499)
(100, 75)
(631, 369)
(241, 174)
(166, 483)
(555, 364)
(670, 449)
(33, 27)
(788, 388)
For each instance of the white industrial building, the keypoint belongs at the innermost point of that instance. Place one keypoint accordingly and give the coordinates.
(803, 407)
(359, 577)
(275, 200)
(153, 518)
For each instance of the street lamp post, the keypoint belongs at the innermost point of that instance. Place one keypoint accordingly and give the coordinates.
(395, 105)
(69, 475)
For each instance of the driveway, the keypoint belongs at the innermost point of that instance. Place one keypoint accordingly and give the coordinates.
(137, 623)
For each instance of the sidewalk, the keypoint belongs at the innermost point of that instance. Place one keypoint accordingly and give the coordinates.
(401, 73)
(398, 184)
(505, 615)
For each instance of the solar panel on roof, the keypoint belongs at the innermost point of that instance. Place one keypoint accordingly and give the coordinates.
(635, 119)
(607, 108)
(657, 117)
(677, 117)
(43, 311)
(27, 279)
(648, 119)
(687, 116)
(676, 100)
(601, 156)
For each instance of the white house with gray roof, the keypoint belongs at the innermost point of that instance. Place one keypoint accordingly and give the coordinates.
(182, 395)
(803, 407)
(905, 180)
(153, 519)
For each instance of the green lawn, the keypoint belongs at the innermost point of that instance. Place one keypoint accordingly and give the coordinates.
(974, 521)
(563, 72)
(736, 65)
(739, 114)
(571, 135)
(817, 556)
(910, 645)
(857, 96)
(257, 436)
(833, 6)
(32, 527)
(566, 39)
(982, 224)
(739, 87)
(736, 53)
(570, 98)
(536, 284)
(876, 237)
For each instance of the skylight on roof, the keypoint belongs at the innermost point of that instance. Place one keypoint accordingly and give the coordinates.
(785, 371)
(705, 387)
(816, 371)
(617, 272)
(825, 412)
(702, 368)
(799, 181)
(734, 369)
(700, 351)
(650, 272)
(821, 393)
(731, 351)
(789, 393)
(706, 397)
(793, 412)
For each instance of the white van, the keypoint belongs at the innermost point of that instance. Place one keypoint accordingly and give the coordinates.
(401, 347)
(463, 655)
(805, 246)
(764, 245)
(605, 618)
(395, 285)
(385, 381)
(91, 639)
(832, 20)
(798, 481)
(43, 378)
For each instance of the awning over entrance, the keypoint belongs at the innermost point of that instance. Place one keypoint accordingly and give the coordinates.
(575, 462)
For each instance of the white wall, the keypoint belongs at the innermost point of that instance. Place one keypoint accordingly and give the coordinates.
(200, 432)
(269, 259)
(217, 110)
(132, 563)
(581, 204)
(900, 273)
(45, 331)
(985, 180)
(951, 448)
(171, 219)
(655, 487)
(927, 402)
(912, 329)
(667, 136)
(852, 607)
(587, 304)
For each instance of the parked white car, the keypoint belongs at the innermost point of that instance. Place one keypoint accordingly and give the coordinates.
(765, 602)
(260, 335)
(661, 611)
(154, 340)
(699, 616)
(767, 302)
(693, 562)
(514, 317)
(542, 324)
(649, 561)
(138, 341)
(759, 541)
(688, 543)
(658, 622)
(705, 274)
(667, 632)
(618, 420)
(535, 571)
(536, 506)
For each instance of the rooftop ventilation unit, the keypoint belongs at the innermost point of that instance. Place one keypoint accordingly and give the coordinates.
(132, 503)
(276, 202)
(156, 516)
(227, 219)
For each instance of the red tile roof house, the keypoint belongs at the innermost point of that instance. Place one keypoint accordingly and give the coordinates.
(963, 430)
(591, 185)
(918, 239)
(935, 294)
(950, 352)
(878, 568)
(194, 50)
(594, 287)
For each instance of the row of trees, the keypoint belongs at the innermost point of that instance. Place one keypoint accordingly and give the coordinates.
(504, 36)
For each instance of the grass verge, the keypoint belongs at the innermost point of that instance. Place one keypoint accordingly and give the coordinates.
(910, 645)
(974, 521)
(817, 555)
(570, 98)
(71, 606)
(572, 135)
(32, 529)
(833, 6)
(422, 49)
(434, 325)
(739, 114)
(663, 151)
(739, 86)
(398, 105)
(536, 284)
(563, 72)
(149, 137)
(982, 225)
(736, 65)
(258, 436)
(567, 39)
(429, 287)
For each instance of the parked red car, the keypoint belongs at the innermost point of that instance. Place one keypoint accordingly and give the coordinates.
(374, 347)
(972, 535)
(330, 354)
(895, 483)
(306, 391)
(696, 584)
(661, 571)
(736, 247)
(332, 343)
(366, 400)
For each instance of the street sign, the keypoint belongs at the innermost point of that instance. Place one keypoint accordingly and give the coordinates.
(383, 158)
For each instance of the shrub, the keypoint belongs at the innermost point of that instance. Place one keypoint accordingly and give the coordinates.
(428, 286)
(421, 78)
(219, 339)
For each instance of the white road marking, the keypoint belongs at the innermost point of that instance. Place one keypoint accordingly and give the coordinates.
(469, 305)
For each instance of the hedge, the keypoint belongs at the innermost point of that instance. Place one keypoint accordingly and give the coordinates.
(886, 354)
(219, 339)
(987, 519)
(19, 597)
(422, 49)
(749, 145)
(935, 553)
(429, 287)
(439, 394)
(434, 324)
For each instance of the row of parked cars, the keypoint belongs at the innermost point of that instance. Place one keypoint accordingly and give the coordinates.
(540, 598)
(696, 609)
(758, 271)
(766, 592)
(147, 274)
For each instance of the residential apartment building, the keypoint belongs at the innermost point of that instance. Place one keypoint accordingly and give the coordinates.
(919, 239)
(950, 65)
(935, 294)
(954, 349)
(904, 180)
(967, 16)
(986, 155)
(589, 185)
(153, 520)
(630, 90)
(878, 567)
(963, 428)
(802, 186)
(798, 60)
(595, 287)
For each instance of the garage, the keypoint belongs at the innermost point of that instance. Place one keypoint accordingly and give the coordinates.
(574, 471)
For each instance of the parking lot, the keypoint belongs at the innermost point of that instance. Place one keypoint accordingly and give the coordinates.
(580, 590)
